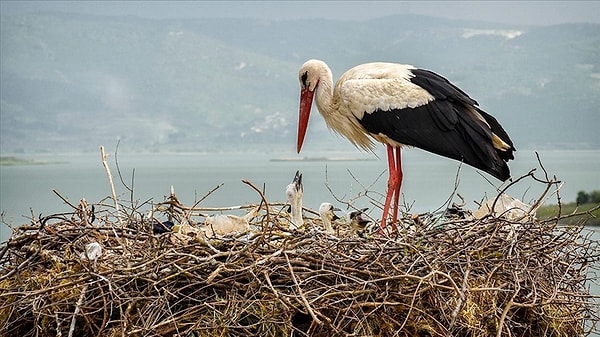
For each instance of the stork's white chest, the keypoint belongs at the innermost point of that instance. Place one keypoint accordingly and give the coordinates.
(378, 87)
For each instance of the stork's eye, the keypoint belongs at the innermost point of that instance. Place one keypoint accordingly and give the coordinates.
(304, 79)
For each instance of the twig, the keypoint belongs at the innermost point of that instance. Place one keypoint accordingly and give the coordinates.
(507, 308)
(461, 297)
(263, 200)
(112, 185)
(300, 293)
(130, 189)
(64, 199)
(77, 309)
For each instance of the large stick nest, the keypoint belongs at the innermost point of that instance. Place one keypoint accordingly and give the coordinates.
(437, 276)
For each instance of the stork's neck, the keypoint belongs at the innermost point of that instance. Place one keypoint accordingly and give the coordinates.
(324, 92)
(327, 224)
(342, 122)
(296, 206)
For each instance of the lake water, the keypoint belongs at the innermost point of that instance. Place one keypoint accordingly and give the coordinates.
(429, 181)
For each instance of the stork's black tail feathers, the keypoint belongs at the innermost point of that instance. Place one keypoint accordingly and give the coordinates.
(497, 129)
(486, 148)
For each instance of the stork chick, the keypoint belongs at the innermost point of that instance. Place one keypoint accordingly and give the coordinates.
(358, 223)
(294, 193)
(224, 224)
(326, 211)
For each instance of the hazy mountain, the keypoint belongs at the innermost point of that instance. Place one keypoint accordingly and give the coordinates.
(74, 82)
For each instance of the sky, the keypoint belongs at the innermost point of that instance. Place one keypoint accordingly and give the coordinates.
(507, 12)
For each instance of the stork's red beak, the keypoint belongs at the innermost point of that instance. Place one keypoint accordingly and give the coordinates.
(306, 98)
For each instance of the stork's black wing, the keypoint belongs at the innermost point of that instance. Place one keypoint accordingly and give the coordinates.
(447, 126)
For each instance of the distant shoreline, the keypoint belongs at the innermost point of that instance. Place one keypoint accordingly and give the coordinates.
(15, 161)
(321, 159)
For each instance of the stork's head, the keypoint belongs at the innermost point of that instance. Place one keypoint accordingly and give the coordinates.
(326, 211)
(309, 77)
(294, 190)
(356, 219)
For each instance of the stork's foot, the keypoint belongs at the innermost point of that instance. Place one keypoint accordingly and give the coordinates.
(388, 229)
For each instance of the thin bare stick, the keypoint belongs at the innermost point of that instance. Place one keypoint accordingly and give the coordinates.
(263, 198)
(130, 189)
(112, 185)
(207, 195)
(64, 199)
(77, 310)
(300, 293)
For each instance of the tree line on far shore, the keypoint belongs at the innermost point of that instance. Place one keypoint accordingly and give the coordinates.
(586, 207)
(584, 197)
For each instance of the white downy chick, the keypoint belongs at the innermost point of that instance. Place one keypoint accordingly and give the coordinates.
(326, 211)
(294, 193)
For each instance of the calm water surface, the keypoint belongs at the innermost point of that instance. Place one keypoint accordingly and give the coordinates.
(428, 180)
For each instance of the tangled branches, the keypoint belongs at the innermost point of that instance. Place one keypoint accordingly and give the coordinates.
(449, 276)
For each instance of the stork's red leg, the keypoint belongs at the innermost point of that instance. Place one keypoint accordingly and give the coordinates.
(398, 184)
(390, 190)
(391, 185)
(394, 183)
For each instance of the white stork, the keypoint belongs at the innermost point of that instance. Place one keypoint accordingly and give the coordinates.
(397, 105)
(294, 193)
(326, 211)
